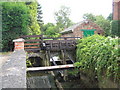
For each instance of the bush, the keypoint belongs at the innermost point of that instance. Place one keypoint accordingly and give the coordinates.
(15, 20)
(115, 28)
(99, 55)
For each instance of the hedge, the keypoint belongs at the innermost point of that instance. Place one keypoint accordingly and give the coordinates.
(115, 28)
(15, 21)
(99, 56)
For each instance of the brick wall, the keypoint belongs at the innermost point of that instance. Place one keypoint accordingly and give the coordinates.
(78, 33)
(116, 10)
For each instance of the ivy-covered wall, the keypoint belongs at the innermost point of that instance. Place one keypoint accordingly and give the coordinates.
(115, 31)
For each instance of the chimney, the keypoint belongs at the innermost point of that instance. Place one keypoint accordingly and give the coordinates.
(116, 9)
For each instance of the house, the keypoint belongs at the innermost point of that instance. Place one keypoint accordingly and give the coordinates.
(116, 10)
(82, 29)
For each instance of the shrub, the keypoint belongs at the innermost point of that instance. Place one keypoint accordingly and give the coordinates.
(15, 20)
(115, 28)
(99, 55)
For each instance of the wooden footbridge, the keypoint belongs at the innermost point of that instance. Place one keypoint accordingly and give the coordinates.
(38, 42)
(64, 45)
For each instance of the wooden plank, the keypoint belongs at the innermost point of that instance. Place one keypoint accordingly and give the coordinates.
(49, 68)
(32, 40)
(31, 44)
(31, 47)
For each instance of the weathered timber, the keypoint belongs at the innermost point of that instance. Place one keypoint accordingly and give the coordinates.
(50, 68)
(31, 47)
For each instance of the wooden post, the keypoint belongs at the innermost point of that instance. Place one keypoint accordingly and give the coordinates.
(47, 58)
(64, 62)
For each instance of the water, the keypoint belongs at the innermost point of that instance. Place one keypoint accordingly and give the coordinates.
(40, 80)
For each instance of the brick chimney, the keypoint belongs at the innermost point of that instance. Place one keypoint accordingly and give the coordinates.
(18, 44)
(116, 9)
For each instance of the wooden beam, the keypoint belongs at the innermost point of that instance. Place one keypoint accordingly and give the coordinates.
(31, 47)
(49, 68)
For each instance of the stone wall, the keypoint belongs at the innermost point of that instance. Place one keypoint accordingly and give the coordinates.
(14, 71)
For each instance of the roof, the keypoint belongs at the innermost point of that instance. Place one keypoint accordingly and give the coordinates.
(71, 28)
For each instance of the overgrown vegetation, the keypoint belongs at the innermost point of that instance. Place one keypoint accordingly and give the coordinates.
(18, 18)
(115, 28)
(99, 56)
(15, 20)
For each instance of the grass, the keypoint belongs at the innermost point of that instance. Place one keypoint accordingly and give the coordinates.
(5, 53)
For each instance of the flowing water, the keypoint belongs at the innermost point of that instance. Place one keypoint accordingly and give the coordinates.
(40, 80)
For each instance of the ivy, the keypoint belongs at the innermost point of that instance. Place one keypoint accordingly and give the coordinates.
(99, 55)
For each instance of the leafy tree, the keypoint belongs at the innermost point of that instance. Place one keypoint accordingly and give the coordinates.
(104, 24)
(50, 30)
(110, 17)
(15, 21)
(34, 27)
(89, 16)
(39, 15)
(62, 18)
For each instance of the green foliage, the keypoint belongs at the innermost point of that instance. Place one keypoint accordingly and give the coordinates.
(115, 28)
(98, 55)
(15, 20)
(50, 30)
(39, 15)
(62, 18)
(110, 17)
(34, 27)
(89, 16)
(104, 24)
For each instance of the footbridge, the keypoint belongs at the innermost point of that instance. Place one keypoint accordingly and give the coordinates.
(48, 47)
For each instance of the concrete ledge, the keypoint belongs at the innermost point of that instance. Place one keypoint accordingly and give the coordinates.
(14, 70)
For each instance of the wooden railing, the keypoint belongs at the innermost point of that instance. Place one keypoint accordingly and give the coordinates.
(32, 42)
(35, 42)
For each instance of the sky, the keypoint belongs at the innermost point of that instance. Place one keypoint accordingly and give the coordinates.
(78, 8)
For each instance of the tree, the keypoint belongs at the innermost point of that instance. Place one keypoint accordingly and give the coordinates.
(89, 16)
(104, 24)
(50, 30)
(110, 17)
(15, 21)
(62, 18)
(34, 27)
(39, 15)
